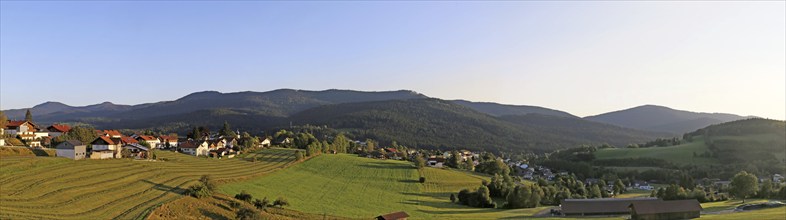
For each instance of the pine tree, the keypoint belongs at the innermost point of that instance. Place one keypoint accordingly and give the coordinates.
(28, 116)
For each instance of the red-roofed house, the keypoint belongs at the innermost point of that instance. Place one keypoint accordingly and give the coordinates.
(153, 141)
(105, 148)
(166, 139)
(57, 130)
(20, 127)
(128, 140)
(111, 133)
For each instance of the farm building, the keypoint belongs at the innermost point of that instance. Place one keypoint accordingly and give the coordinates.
(665, 210)
(435, 162)
(394, 216)
(137, 150)
(105, 148)
(73, 149)
(196, 148)
(606, 206)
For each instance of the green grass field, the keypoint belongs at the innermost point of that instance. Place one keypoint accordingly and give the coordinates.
(59, 188)
(681, 154)
(351, 186)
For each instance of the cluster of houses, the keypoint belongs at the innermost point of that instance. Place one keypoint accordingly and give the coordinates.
(31, 133)
(438, 161)
(114, 144)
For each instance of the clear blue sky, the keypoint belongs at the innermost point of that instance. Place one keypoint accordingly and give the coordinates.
(582, 57)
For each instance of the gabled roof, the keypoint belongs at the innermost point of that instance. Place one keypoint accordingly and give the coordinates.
(111, 133)
(15, 124)
(59, 128)
(147, 138)
(70, 145)
(191, 144)
(128, 140)
(105, 139)
(437, 159)
(599, 206)
(137, 146)
(168, 138)
(393, 216)
(659, 206)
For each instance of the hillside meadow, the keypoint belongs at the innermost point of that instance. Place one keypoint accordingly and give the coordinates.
(351, 186)
(59, 188)
(680, 154)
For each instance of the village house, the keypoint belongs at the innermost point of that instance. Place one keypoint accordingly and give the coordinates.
(216, 144)
(73, 149)
(777, 178)
(196, 148)
(665, 210)
(437, 162)
(168, 141)
(20, 127)
(56, 130)
(222, 152)
(137, 150)
(105, 148)
(153, 141)
(264, 142)
(109, 133)
(283, 140)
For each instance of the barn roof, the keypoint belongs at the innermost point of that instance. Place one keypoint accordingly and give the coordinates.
(659, 206)
(598, 206)
(393, 216)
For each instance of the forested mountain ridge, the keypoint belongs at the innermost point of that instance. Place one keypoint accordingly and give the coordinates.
(663, 119)
(496, 109)
(440, 123)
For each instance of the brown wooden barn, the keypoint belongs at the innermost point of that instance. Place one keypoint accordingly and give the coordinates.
(665, 210)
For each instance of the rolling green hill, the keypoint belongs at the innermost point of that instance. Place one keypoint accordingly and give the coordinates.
(757, 145)
(351, 186)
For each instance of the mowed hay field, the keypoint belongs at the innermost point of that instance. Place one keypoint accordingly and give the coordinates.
(351, 186)
(59, 188)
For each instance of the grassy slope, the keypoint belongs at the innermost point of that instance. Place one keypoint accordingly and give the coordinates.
(58, 188)
(681, 154)
(218, 207)
(347, 185)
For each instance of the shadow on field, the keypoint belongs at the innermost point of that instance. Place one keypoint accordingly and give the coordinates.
(263, 159)
(408, 181)
(223, 202)
(439, 196)
(447, 204)
(212, 215)
(165, 188)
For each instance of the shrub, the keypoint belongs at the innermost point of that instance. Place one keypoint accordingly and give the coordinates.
(243, 196)
(207, 181)
(281, 202)
(261, 204)
(198, 191)
(234, 204)
(247, 214)
(422, 179)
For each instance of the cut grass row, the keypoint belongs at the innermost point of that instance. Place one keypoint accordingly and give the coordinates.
(58, 188)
